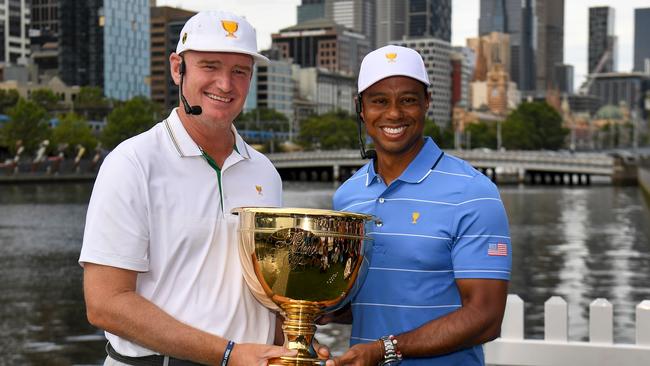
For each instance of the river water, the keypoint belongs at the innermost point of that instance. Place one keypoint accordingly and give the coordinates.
(580, 243)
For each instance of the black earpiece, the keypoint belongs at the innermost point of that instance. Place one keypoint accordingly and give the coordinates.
(365, 154)
(189, 109)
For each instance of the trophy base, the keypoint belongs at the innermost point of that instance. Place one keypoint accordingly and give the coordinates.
(296, 361)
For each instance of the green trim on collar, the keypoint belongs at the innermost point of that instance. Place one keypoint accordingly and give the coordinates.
(216, 168)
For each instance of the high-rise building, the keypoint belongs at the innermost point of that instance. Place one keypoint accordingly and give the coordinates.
(436, 55)
(322, 43)
(536, 29)
(127, 65)
(429, 19)
(490, 49)
(641, 42)
(310, 9)
(391, 21)
(528, 48)
(324, 90)
(166, 25)
(14, 38)
(106, 44)
(602, 41)
(504, 16)
(563, 78)
(275, 87)
(463, 60)
(551, 47)
(81, 43)
(357, 15)
(45, 16)
(43, 36)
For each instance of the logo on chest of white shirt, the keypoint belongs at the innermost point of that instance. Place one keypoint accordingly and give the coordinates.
(258, 188)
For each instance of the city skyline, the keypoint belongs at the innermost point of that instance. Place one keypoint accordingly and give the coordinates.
(465, 15)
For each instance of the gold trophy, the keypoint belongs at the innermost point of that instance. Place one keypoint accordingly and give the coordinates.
(303, 263)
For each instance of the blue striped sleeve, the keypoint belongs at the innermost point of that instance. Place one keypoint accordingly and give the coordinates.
(481, 247)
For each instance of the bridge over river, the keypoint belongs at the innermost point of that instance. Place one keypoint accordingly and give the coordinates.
(532, 167)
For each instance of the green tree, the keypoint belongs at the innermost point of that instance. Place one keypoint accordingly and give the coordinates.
(483, 134)
(46, 99)
(27, 122)
(129, 119)
(8, 98)
(330, 131)
(73, 130)
(91, 103)
(534, 126)
(263, 119)
(444, 138)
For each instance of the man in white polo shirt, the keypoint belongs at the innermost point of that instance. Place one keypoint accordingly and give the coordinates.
(161, 267)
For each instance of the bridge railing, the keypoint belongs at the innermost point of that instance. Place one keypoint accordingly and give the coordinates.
(555, 349)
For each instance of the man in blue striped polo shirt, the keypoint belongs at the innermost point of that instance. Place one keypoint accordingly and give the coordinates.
(438, 278)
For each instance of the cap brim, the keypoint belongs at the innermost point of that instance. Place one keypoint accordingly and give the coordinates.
(382, 77)
(257, 58)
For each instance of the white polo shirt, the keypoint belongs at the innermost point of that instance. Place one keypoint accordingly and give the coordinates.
(158, 208)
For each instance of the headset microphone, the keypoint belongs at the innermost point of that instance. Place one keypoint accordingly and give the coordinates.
(365, 154)
(194, 109)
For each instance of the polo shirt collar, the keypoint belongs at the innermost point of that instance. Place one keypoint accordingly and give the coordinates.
(184, 144)
(418, 169)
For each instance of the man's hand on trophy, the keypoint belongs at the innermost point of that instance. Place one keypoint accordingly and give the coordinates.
(250, 354)
(365, 354)
(322, 350)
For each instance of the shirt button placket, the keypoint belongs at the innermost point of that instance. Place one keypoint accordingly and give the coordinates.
(381, 201)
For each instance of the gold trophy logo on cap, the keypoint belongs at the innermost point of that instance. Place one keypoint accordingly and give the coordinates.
(231, 27)
(391, 56)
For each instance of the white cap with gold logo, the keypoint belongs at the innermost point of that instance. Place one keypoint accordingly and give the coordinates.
(390, 61)
(219, 31)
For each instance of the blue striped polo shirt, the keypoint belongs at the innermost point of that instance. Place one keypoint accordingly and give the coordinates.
(441, 220)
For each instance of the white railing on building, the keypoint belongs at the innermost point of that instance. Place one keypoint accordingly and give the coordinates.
(556, 350)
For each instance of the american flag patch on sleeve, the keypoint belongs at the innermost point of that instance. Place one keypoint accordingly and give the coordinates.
(498, 249)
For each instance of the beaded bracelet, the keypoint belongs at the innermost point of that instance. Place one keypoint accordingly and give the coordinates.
(226, 353)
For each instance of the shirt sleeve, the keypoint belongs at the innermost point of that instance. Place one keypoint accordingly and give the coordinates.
(116, 232)
(481, 247)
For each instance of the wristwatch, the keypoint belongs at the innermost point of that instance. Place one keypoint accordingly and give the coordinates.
(392, 356)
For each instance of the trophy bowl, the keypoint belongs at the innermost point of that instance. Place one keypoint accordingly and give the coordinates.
(302, 263)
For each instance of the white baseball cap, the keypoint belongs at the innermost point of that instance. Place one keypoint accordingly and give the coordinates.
(219, 31)
(390, 61)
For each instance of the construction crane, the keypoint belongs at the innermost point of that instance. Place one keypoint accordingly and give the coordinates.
(584, 88)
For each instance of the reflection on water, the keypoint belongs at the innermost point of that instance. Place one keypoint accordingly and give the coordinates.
(579, 243)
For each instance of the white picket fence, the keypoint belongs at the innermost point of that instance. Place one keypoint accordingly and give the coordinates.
(556, 350)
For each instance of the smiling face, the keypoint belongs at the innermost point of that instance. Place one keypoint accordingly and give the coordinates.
(393, 112)
(216, 81)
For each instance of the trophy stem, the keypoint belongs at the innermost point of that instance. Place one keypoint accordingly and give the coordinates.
(299, 329)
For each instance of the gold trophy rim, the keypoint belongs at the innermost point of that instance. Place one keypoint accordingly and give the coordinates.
(297, 211)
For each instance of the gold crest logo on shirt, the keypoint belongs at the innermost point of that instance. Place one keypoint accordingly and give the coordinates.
(230, 27)
(184, 37)
(414, 217)
(258, 189)
(391, 57)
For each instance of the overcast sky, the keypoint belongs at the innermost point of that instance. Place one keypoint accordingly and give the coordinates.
(268, 16)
